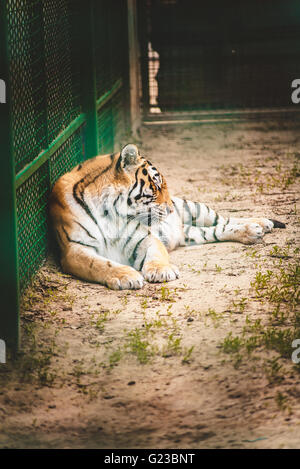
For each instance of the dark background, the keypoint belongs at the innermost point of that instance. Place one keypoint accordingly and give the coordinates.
(222, 54)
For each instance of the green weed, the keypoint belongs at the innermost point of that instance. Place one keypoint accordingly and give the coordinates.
(139, 345)
(231, 344)
(187, 355)
(281, 400)
(166, 294)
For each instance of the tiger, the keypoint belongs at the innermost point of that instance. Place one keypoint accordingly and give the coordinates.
(115, 222)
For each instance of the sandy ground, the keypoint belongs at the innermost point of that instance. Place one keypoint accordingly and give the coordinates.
(145, 369)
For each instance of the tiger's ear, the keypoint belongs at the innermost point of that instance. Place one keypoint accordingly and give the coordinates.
(129, 156)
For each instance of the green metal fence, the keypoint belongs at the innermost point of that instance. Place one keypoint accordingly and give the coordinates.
(65, 65)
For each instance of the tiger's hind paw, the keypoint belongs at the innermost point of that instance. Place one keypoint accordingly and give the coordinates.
(250, 233)
(268, 224)
(253, 233)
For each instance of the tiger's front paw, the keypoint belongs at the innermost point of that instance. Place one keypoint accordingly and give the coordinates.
(125, 278)
(156, 272)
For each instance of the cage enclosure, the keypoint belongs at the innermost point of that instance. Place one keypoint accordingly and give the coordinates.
(70, 89)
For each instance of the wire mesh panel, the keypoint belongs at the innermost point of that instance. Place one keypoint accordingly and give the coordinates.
(61, 72)
(199, 55)
(67, 156)
(32, 199)
(105, 129)
(27, 81)
(45, 84)
(25, 30)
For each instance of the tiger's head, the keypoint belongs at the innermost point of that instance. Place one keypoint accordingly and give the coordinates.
(148, 198)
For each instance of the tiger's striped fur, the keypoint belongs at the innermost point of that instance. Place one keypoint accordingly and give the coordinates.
(115, 222)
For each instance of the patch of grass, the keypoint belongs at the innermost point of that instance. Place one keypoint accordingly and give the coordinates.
(231, 344)
(34, 365)
(214, 316)
(282, 401)
(282, 253)
(187, 355)
(227, 197)
(279, 286)
(196, 270)
(160, 335)
(125, 298)
(144, 303)
(278, 177)
(280, 340)
(167, 294)
(274, 371)
(173, 346)
(238, 307)
(100, 320)
(78, 371)
(115, 357)
(155, 324)
(190, 312)
(277, 289)
(48, 297)
(139, 345)
(238, 360)
(253, 253)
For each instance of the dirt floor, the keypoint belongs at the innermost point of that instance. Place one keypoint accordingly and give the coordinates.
(200, 362)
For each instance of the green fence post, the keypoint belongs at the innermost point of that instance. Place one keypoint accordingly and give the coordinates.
(9, 310)
(88, 71)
